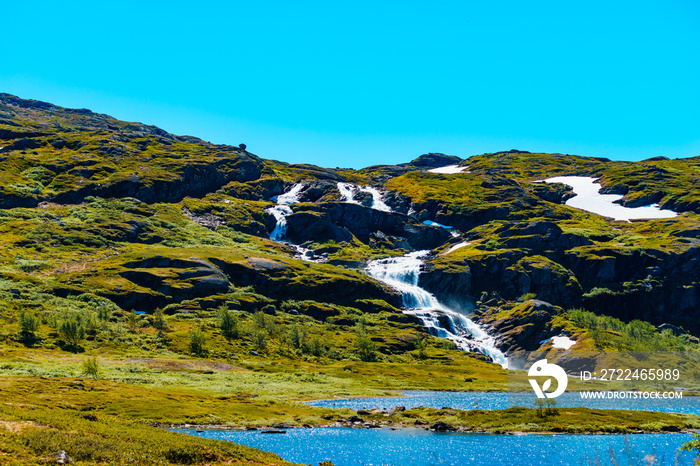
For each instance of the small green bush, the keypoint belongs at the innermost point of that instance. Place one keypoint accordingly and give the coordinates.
(159, 320)
(28, 324)
(365, 348)
(91, 368)
(197, 342)
(228, 324)
(72, 331)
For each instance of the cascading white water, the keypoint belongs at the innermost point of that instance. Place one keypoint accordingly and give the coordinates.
(280, 212)
(401, 273)
(347, 192)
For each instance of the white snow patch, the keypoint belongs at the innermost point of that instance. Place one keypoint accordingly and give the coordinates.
(589, 198)
(455, 247)
(449, 170)
(562, 342)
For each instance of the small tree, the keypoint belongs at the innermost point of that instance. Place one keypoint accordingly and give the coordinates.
(421, 346)
(550, 404)
(366, 349)
(260, 319)
(296, 337)
(197, 342)
(103, 313)
(91, 368)
(72, 331)
(539, 405)
(159, 320)
(28, 324)
(317, 348)
(260, 340)
(228, 324)
(133, 320)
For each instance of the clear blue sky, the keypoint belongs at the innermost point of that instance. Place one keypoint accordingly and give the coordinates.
(358, 83)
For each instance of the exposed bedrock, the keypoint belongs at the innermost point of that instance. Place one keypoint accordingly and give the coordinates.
(195, 180)
(340, 221)
(164, 280)
(524, 327)
(510, 274)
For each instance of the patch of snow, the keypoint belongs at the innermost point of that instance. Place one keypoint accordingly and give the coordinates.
(589, 198)
(562, 342)
(449, 170)
(455, 247)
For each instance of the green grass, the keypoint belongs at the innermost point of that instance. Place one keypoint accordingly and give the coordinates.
(609, 333)
(29, 434)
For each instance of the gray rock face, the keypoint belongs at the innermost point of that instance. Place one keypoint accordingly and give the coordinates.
(339, 221)
(435, 159)
(22, 144)
(524, 328)
(442, 427)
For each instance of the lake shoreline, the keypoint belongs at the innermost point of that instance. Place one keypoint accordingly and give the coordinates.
(458, 430)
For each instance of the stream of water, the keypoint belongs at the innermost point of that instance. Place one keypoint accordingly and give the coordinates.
(281, 211)
(348, 191)
(401, 273)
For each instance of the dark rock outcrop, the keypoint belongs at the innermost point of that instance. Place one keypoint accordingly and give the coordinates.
(339, 221)
(435, 159)
(524, 327)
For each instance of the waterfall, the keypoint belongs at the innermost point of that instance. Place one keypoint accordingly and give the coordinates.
(401, 273)
(347, 193)
(281, 211)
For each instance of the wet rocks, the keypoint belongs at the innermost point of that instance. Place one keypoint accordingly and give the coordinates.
(340, 221)
(442, 427)
(525, 325)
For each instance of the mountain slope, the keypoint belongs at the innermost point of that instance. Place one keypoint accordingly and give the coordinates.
(103, 217)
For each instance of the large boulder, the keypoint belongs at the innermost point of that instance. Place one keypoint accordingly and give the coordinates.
(435, 159)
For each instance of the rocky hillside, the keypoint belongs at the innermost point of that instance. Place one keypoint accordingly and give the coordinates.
(141, 237)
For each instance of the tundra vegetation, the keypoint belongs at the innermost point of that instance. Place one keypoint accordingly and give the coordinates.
(138, 284)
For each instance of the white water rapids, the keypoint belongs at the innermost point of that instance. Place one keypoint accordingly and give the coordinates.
(401, 273)
(347, 192)
(280, 212)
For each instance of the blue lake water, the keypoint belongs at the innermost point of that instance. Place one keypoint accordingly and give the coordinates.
(384, 447)
(502, 400)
